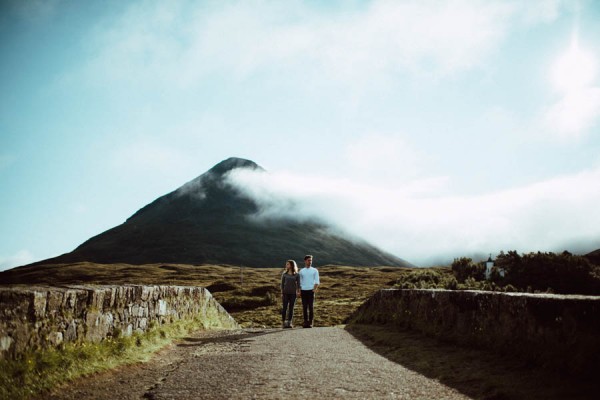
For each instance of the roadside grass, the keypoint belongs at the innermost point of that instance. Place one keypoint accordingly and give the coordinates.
(43, 370)
(475, 373)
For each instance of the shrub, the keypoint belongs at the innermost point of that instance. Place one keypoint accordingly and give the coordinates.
(550, 272)
(464, 268)
(426, 279)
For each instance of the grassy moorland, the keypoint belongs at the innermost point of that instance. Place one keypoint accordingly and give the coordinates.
(251, 295)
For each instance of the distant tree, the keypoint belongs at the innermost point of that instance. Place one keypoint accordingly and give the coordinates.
(533, 273)
(464, 268)
(549, 272)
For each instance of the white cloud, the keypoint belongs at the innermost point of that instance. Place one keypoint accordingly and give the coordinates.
(383, 154)
(22, 257)
(389, 158)
(574, 114)
(543, 216)
(541, 11)
(577, 109)
(180, 44)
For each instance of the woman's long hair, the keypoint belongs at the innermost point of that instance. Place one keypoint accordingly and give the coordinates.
(294, 267)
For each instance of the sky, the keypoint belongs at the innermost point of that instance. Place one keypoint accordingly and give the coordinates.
(433, 129)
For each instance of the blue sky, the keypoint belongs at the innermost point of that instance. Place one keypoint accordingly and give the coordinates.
(431, 128)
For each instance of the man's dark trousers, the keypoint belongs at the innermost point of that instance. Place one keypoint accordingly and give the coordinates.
(308, 301)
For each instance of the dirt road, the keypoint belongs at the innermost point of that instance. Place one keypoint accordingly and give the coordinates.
(263, 364)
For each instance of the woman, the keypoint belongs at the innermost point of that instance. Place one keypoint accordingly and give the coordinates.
(290, 289)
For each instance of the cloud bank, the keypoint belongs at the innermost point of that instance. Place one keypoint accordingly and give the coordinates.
(362, 42)
(425, 228)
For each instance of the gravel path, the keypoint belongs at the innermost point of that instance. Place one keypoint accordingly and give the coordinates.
(263, 364)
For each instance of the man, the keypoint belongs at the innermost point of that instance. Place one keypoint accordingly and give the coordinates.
(309, 283)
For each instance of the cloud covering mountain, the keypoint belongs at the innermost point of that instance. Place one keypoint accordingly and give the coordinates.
(427, 226)
(209, 221)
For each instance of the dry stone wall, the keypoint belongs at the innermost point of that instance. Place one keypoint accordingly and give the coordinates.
(558, 331)
(42, 317)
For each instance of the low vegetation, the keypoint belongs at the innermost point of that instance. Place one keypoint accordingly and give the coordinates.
(43, 370)
(539, 272)
(562, 273)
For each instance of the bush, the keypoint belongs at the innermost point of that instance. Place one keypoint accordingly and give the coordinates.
(549, 272)
(464, 268)
(426, 279)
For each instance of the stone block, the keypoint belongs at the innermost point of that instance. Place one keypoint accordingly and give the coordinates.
(5, 343)
(70, 300)
(146, 293)
(55, 338)
(54, 301)
(39, 304)
(71, 331)
(162, 307)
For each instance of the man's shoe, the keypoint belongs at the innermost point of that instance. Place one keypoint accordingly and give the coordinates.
(284, 324)
(305, 324)
(310, 324)
(289, 324)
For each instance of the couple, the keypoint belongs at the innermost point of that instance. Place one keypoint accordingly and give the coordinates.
(294, 283)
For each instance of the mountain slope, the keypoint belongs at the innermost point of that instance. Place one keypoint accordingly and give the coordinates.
(594, 257)
(207, 221)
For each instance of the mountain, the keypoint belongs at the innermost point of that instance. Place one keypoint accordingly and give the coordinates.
(594, 257)
(209, 221)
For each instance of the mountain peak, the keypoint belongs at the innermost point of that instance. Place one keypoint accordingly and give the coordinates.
(233, 163)
(208, 221)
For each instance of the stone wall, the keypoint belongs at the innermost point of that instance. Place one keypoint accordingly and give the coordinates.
(42, 317)
(557, 331)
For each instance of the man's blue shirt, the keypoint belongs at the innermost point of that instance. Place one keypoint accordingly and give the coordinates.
(309, 277)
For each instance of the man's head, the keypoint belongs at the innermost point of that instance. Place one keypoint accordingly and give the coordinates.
(308, 260)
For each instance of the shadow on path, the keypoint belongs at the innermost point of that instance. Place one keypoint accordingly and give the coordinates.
(246, 334)
(475, 373)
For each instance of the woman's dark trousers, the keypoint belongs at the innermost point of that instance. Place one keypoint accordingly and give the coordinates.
(308, 301)
(288, 305)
